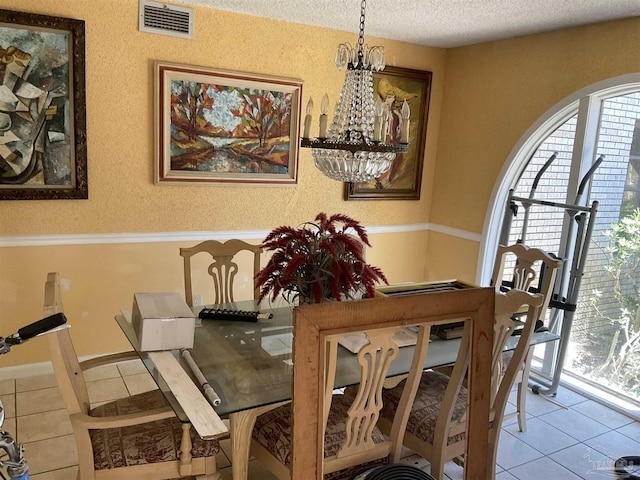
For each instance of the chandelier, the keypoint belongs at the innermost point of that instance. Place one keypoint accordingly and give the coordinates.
(355, 147)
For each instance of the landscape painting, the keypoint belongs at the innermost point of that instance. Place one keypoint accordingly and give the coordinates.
(42, 107)
(225, 127)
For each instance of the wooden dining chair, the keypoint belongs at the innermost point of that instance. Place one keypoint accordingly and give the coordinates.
(223, 268)
(352, 442)
(530, 269)
(134, 437)
(438, 422)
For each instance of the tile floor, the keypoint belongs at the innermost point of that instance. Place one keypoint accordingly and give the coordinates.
(568, 437)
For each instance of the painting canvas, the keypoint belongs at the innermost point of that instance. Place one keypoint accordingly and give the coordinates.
(42, 107)
(225, 127)
(403, 180)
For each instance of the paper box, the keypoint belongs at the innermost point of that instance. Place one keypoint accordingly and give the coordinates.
(162, 321)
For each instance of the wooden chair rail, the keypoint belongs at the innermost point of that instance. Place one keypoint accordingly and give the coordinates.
(98, 423)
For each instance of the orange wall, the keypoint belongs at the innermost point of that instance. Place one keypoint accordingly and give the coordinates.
(101, 279)
(120, 122)
(496, 90)
(493, 93)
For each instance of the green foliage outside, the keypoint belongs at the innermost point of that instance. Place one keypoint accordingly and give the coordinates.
(622, 364)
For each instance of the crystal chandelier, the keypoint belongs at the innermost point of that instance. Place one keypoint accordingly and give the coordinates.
(356, 147)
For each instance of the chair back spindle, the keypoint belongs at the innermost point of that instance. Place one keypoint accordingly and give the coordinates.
(223, 268)
(529, 269)
(524, 265)
(374, 359)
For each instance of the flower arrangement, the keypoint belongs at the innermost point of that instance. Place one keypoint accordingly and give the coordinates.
(317, 261)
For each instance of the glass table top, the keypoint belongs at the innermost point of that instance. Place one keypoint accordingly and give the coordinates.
(249, 364)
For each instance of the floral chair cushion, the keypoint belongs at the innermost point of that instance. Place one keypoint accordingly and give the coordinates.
(151, 442)
(273, 431)
(426, 406)
(506, 358)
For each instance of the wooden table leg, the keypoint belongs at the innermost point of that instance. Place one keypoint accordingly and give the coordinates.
(241, 425)
(185, 451)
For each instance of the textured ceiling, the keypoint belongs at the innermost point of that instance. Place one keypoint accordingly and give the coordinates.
(437, 23)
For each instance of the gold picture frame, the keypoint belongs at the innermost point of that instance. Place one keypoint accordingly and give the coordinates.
(216, 126)
(403, 180)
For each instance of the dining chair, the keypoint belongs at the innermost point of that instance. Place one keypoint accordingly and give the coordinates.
(352, 442)
(223, 268)
(531, 269)
(134, 437)
(438, 422)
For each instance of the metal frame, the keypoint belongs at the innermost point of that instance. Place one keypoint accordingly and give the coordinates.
(573, 250)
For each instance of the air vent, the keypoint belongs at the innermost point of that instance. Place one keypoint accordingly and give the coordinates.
(166, 19)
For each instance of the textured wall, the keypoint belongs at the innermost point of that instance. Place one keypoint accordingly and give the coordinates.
(122, 197)
(99, 281)
(495, 91)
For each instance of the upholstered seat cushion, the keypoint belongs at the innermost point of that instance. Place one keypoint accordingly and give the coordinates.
(273, 431)
(426, 406)
(506, 358)
(152, 442)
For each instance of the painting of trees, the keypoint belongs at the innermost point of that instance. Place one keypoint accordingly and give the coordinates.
(227, 125)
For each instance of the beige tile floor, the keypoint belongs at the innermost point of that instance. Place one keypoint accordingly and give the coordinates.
(568, 437)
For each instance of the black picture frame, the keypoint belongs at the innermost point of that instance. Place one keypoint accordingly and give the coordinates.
(43, 141)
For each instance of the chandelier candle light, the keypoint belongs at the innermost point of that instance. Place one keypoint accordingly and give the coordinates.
(355, 148)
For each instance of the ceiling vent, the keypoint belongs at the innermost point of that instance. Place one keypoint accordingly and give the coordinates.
(163, 19)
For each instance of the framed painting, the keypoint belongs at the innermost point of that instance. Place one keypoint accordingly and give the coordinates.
(403, 180)
(215, 126)
(43, 143)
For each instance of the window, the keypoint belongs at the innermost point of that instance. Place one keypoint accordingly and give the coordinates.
(603, 119)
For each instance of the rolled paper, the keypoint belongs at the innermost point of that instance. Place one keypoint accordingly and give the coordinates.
(208, 389)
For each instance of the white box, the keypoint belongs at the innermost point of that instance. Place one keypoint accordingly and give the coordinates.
(162, 321)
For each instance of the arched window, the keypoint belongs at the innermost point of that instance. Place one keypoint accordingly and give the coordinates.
(600, 120)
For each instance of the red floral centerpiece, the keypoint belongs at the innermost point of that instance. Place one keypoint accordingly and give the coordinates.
(318, 261)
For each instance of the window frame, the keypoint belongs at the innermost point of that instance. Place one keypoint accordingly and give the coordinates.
(587, 103)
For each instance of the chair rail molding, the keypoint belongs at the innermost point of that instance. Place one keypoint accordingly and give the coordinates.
(158, 237)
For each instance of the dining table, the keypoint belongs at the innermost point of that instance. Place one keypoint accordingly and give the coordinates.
(249, 366)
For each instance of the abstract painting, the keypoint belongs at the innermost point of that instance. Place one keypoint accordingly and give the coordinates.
(42, 107)
(225, 127)
(403, 180)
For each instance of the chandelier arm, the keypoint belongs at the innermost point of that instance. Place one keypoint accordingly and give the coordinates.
(354, 147)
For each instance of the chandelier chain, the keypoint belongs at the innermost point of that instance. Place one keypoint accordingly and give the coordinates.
(363, 6)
